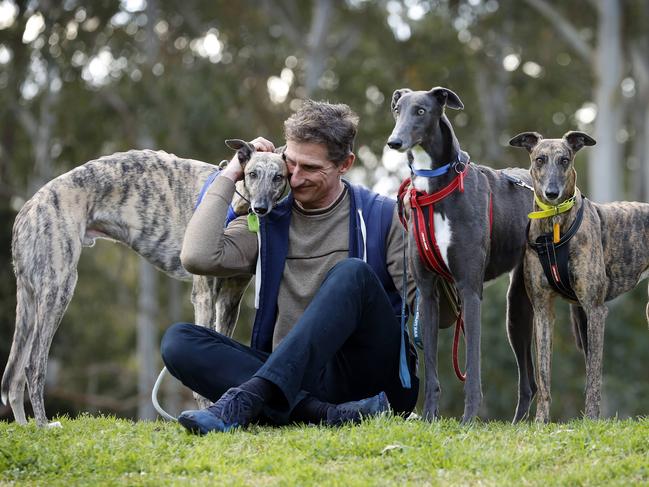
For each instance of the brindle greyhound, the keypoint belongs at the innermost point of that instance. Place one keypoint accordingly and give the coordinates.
(142, 199)
(471, 250)
(608, 255)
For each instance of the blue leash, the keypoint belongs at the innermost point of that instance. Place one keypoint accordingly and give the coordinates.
(404, 372)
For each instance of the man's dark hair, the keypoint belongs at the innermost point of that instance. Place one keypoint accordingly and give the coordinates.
(324, 123)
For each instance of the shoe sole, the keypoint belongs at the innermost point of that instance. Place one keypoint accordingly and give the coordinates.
(194, 427)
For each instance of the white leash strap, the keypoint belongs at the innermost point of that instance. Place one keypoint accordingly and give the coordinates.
(154, 397)
(364, 234)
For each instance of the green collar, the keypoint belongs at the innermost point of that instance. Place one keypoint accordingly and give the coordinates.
(549, 210)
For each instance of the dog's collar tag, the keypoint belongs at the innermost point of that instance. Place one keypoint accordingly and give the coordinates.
(556, 232)
(253, 222)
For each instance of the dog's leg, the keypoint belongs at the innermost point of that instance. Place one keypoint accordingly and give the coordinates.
(543, 327)
(520, 334)
(579, 328)
(647, 308)
(203, 290)
(429, 320)
(49, 313)
(229, 292)
(13, 380)
(427, 283)
(203, 296)
(473, 385)
(596, 322)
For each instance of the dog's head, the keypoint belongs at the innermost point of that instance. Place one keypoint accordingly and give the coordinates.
(416, 113)
(553, 171)
(265, 177)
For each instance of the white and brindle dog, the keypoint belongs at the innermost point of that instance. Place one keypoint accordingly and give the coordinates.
(142, 199)
(607, 256)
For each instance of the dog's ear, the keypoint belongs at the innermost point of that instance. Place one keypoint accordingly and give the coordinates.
(446, 97)
(526, 140)
(576, 140)
(396, 95)
(244, 149)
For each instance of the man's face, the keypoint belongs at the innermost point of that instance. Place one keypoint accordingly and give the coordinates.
(314, 179)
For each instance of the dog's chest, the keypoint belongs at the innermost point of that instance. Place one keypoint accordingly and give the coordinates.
(443, 235)
(442, 224)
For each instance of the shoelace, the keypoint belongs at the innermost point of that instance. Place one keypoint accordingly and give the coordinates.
(233, 406)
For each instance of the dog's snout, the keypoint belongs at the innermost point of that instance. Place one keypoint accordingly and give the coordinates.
(395, 143)
(551, 194)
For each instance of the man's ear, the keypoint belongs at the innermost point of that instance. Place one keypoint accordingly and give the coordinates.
(396, 95)
(347, 163)
(526, 140)
(576, 140)
(446, 97)
(244, 149)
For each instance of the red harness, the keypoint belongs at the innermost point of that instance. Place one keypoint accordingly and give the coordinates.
(422, 214)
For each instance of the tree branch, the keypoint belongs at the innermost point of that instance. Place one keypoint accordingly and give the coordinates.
(284, 15)
(565, 28)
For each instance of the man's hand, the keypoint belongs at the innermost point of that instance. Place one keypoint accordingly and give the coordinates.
(234, 171)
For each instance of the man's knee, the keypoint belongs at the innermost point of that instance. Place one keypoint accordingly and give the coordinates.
(352, 268)
(173, 346)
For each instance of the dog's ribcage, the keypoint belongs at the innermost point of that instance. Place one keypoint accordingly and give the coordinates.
(143, 199)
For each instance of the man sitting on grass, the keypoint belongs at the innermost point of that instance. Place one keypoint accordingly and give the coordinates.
(327, 345)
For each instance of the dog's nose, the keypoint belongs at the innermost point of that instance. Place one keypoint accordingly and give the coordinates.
(551, 194)
(395, 143)
(260, 210)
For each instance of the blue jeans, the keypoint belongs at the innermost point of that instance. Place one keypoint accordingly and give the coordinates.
(344, 347)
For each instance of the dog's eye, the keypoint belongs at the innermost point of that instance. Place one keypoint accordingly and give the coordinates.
(252, 174)
(539, 161)
(277, 178)
(421, 111)
(565, 161)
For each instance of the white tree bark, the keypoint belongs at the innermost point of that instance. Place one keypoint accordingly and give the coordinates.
(604, 175)
(604, 172)
(147, 349)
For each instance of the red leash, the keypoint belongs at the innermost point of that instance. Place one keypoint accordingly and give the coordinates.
(422, 213)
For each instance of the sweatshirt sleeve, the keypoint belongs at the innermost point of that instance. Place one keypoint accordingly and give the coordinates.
(209, 248)
(394, 256)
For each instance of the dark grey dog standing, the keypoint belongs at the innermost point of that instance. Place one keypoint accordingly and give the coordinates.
(142, 199)
(472, 253)
(608, 256)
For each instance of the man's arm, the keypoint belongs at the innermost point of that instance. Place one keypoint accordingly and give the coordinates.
(394, 257)
(208, 248)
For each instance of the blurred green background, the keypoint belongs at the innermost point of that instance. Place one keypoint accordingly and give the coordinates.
(83, 79)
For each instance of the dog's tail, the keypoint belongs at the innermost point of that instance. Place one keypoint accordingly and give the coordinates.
(14, 378)
(579, 324)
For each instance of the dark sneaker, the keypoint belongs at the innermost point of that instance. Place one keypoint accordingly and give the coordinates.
(236, 408)
(353, 412)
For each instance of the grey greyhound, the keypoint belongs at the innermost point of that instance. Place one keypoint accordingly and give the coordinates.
(472, 251)
(607, 256)
(142, 199)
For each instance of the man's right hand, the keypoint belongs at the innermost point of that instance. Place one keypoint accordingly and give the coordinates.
(234, 171)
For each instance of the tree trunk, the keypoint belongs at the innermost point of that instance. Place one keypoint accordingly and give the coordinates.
(147, 305)
(604, 174)
(317, 52)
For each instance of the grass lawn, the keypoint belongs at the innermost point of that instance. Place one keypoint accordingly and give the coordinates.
(381, 451)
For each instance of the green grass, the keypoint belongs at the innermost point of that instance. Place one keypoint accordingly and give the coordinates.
(381, 451)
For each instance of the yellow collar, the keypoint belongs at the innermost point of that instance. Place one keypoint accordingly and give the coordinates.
(549, 210)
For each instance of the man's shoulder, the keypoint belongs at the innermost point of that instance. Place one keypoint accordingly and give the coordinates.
(369, 195)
